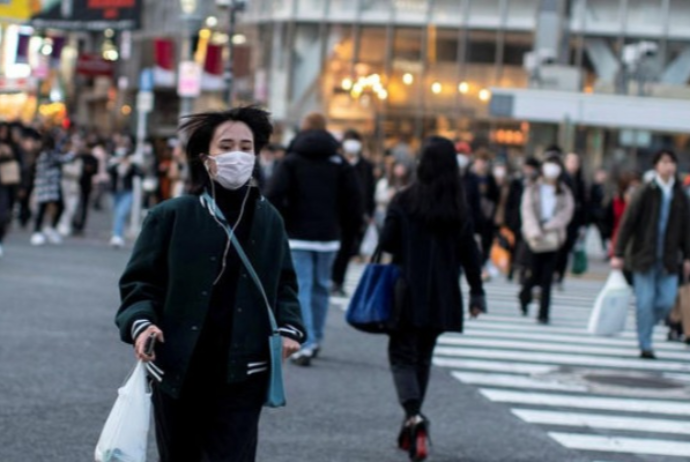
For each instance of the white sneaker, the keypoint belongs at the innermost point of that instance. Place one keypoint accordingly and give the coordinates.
(38, 239)
(64, 230)
(117, 242)
(53, 236)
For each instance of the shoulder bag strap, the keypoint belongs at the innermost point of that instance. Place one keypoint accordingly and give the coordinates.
(213, 208)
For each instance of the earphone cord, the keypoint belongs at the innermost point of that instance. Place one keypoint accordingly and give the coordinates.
(232, 230)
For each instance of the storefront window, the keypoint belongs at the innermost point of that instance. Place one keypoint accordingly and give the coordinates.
(481, 47)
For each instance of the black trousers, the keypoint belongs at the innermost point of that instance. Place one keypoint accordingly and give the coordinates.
(542, 271)
(80, 217)
(349, 247)
(5, 210)
(216, 424)
(410, 352)
(43, 207)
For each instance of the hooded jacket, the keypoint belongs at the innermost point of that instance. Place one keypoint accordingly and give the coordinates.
(316, 190)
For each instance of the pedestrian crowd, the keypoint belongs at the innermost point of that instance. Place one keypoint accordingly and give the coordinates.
(234, 222)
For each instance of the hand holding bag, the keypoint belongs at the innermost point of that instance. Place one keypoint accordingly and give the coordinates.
(549, 241)
(126, 432)
(276, 390)
(372, 304)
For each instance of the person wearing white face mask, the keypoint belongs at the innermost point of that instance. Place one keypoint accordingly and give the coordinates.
(546, 209)
(188, 287)
(352, 236)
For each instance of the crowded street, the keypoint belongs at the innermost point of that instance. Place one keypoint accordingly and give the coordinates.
(507, 390)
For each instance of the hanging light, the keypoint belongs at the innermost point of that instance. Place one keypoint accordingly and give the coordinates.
(383, 94)
(484, 95)
(346, 84)
(436, 88)
(408, 79)
(464, 87)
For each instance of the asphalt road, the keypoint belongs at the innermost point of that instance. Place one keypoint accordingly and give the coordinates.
(61, 362)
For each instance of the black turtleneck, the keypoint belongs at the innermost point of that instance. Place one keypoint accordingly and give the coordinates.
(209, 363)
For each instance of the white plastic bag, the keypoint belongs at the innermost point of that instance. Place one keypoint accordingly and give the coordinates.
(370, 241)
(611, 307)
(125, 435)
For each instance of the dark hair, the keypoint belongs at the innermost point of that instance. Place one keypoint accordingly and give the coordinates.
(664, 152)
(314, 121)
(437, 197)
(352, 134)
(200, 128)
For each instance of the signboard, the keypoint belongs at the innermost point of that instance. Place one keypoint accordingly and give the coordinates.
(189, 82)
(9, 85)
(635, 138)
(145, 101)
(19, 10)
(93, 65)
(90, 15)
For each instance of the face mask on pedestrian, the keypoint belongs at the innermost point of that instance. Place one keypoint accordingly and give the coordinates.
(232, 169)
(463, 161)
(499, 173)
(352, 147)
(551, 171)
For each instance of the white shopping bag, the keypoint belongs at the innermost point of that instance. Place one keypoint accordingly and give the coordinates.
(370, 241)
(125, 435)
(611, 307)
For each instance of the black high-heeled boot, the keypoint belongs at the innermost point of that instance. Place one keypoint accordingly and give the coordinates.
(405, 436)
(420, 441)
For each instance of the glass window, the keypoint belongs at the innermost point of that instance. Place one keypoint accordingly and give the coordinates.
(515, 46)
(376, 9)
(407, 44)
(645, 16)
(411, 10)
(679, 20)
(372, 46)
(342, 10)
(481, 47)
(310, 8)
(443, 45)
(604, 16)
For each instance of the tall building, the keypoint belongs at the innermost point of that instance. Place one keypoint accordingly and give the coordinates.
(608, 78)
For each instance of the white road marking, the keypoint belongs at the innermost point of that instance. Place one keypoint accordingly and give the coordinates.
(499, 366)
(515, 381)
(622, 445)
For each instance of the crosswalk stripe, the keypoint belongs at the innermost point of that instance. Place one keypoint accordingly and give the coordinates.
(588, 402)
(553, 347)
(499, 366)
(633, 424)
(622, 445)
(568, 340)
(515, 381)
(507, 323)
(569, 359)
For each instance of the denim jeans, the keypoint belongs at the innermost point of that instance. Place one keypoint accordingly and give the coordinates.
(122, 206)
(656, 292)
(314, 278)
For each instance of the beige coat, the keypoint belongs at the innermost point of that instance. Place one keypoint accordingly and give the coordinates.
(530, 209)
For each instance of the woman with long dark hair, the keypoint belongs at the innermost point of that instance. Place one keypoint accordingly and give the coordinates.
(430, 234)
(188, 287)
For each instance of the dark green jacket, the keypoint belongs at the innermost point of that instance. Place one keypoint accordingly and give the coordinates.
(637, 235)
(169, 281)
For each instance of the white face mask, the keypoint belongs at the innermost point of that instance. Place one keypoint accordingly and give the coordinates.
(500, 173)
(352, 146)
(233, 169)
(551, 171)
(463, 161)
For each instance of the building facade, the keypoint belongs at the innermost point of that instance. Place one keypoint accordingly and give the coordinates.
(608, 78)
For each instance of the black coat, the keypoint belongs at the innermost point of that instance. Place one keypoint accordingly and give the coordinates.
(513, 219)
(365, 173)
(316, 190)
(473, 200)
(431, 266)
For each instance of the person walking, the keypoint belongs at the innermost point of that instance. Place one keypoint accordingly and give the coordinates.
(317, 192)
(10, 179)
(573, 179)
(653, 239)
(90, 168)
(352, 238)
(48, 189)
(480, 175)
(429, 232)
(187, 286)
(31, 149)
(122, 171)
(396, 177)
(546, 209)
(597, 206)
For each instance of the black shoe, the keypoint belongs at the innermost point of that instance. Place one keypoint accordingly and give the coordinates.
(302, 358)
(405, 437)
(647, 355)
(338, 291)
(524, 309)
(543, 321)
(420, 440)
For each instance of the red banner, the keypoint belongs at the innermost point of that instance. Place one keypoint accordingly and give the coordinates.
(164, 53)
(214, 59)
(93, 65)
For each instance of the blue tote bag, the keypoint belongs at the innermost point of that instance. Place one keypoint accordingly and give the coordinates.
(372, 304)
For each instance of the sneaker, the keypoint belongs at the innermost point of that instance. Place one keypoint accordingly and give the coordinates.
(338, 291)
(38, 239)
(647, 354)
(53, 236)
(64, 230)
(117, 242)
(315, 351)
(302, 357)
